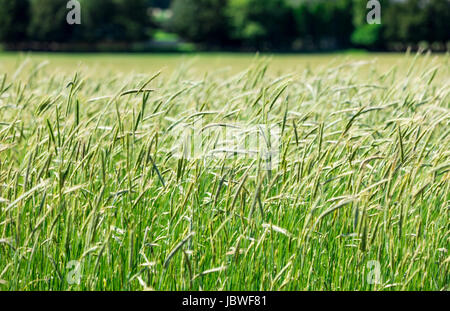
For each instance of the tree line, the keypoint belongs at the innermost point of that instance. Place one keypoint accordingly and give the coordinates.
(232, 24)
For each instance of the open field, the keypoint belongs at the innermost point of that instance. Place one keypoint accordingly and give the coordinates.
(104, 64)
(115, 177)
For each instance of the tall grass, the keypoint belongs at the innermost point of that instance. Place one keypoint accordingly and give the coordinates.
(88, 173)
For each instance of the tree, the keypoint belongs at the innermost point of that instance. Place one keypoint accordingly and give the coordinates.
(97, 21)
(133, 19)
(412, 19)
(437, 16)
(200, 21)
(262, 24)
(368, 35)
(342, 22)
(323, 23)
(406, 21)
(162, 4)
(48, 21)
(101, 20)
(14, 17)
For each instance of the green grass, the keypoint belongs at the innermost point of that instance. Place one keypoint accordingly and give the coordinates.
(89, 173)
(100, 65)
(161, 35)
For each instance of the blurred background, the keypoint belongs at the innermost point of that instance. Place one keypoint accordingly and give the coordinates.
(224, 25)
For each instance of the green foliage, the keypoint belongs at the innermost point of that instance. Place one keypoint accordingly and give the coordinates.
(163, 4)
(322, 21)
(405, 21)
(261, 23)
(101, 20)
(114, 20)
(14, 17)
(368, 35)
(364, 34)
(413, 21)
(48, 21)
(437, 20)
(133, 19)
(200, 20)
(248, 24)
(98, 21)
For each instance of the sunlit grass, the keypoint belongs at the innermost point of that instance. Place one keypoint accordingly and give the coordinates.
(88, 173)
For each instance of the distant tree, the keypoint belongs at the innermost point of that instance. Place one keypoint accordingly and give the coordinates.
(257, 24)
(98, 22)
(101, 20)
(405, 21)
(14, 18)
(133, 19)
(437, 18)
(262, 24)
(163, 4)
(200, 21)
(364, 34)
(412, 21)
(48, 21)
(323, 21)
(342, 22)
(367, 35)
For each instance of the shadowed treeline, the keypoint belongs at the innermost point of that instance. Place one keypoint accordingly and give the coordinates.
(265, 25)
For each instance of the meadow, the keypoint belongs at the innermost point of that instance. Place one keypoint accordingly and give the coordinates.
(98, 192)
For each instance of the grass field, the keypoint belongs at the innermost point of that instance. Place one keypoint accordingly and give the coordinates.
(114, 176)
(231, 63)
